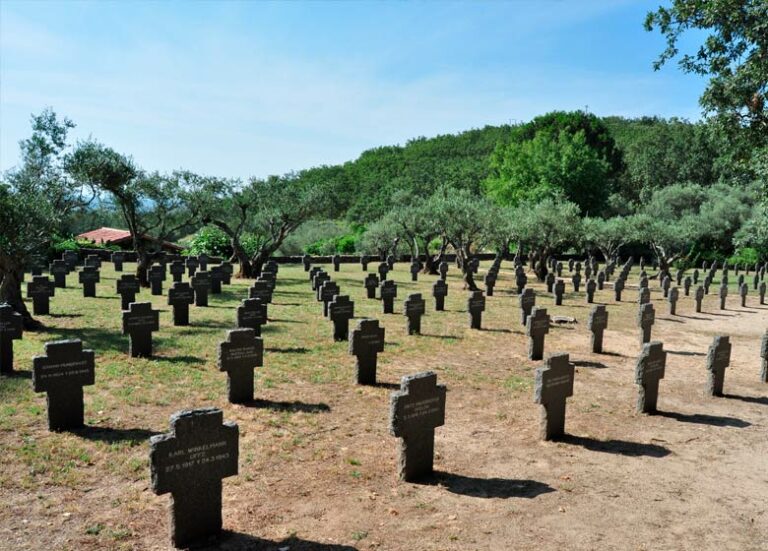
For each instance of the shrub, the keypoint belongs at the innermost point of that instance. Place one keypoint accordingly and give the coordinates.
(210, 240)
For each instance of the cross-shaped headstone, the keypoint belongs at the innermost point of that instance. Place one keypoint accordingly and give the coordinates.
(327, 291)
(388, 292)
(71, 260)
(591, 288)
(707, 282)
(679, 277)
(391, 261)
(252, 314)
(666, 283)
(761, 292)
(553, 385)
(646, 316)
(413, 309)
(571, 263)
(364, 260)
(117, 260)
(383, 270)
(336, 259)
(415, 268)
(201, 283)
(699, 297)
(156, 276)
(365, 342)
(643, 282)
(549, 280)
(597, 323)
(203, 260)
(443, 270)
(320, 278)
(601, 278)
(440, 291)
(416, 410)
(127, 287)
(526, 300)
(190, 462)
(306, 261)
(40, 290)
(227, 271)
(192, 265)
(537, 328)
(764, 358)
(476, 307)
(177, 270)
(559, 269)
(743, 292)
(139, 321)
(93, 261)
(521, 280)
(260, 290)
(11, 328)
(371, 282)
(718, 358)
(217, 278)
(559, 292)
(340, 311)
(696, 276)
(723, 295)
(62, 373)
(672, 298)
(576, 280)
(649, 370)
(687, 282)
(89, 277)
(490, 283)
(180, 296)
(238, 356)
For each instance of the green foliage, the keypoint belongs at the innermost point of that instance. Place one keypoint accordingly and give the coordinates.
(61, 244)
(546, 226)
(210, 240)
(341, 244)
(747, 255)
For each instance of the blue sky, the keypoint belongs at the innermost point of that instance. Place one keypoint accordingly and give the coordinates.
(255, 88)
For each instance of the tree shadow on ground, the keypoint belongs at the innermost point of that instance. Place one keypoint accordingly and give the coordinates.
(692, 317)
(294, 407)
(441, 336)
(288, 350)
(587, 363)
(751, 399)
(486, 487)
(685, 353)
(391, 386)
(237, 541)
(495, 330)
(64, 315)
(671, 319)
(278, 320)
(187, 359)
(618, 447)
(109, 435)
(209, 324)
(94, 338)
(703, 419)
(17, 374)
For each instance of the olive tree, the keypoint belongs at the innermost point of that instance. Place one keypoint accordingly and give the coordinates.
(607, 235)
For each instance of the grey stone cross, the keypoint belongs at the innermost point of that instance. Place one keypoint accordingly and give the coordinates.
(365, 342)
(139, 322)
(537, 328)
(238, 356)
(718, 359)
(180, 296)
(40, 290)
(11, 328)
(553, 385)
(597, 323)
(649, 370)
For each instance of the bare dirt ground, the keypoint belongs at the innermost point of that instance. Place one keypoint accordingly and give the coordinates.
(317, 464)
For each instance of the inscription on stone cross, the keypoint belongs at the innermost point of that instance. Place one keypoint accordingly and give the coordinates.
(537, 328)
(649, 370)
(718, 359)
(365, 342)
(127, 287)
(139, 322)
(252, 314)
(89, 277)
(40, 290)
(201, 283)
(597, 323)
(340, 311)
(413, 309)
(553, 385)
(238, 356)
(260, 290)
(180, 296)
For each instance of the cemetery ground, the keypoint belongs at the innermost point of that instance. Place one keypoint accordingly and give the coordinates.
(317, 463)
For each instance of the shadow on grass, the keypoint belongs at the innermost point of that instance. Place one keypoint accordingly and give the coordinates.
(179, 359)
(692, 317)
(286, 304)
(289, 406)
(213, 324)
(763, 400)
(109, 435)
(454, 337)
(17, 374)
(618, 447)
(586, 363)
(685, 353)
(65, 315)
(495, 330)
(238, 540)
(96, 338)
(289, 350)
(703, 419)
(487, 487)
(381, 384)
(279, 320)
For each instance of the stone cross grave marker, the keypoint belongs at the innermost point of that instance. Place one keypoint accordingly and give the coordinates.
(180, 296)
(252, 314)
(597, 323)
(718, 359)
(576, 280)
(139, 321)
(365, 342)
(371, 282)
(336, 259)
(217, 278)
(388, 292)
(553, 385)
(526, 300)
(89, 277)
(679, 278)
(192, 265)
(755, 281)
(156, 277)
(761, 292)
(476, 307)
(40, 290)
(618, 287)
(227, 271)
(673, 297)
(202, 260)
(260, 290)
(306, 261)
(521, 280)
(364, 260)
(201, 283)
(93, 260)
(238, 356)
(117, 260)
(571, 263)
(764, 358)
(190, 463)
(61, 373)
(127, 287)
(559, 291)
(414, 307)
(490, 282)
(559, 269)
(707, 282)
(391, 261)
(743, 292)
(600, 280)
(177, 270)
(649, 370)
(415, 268)
(443, 270)
(416, 410)
(666, 283)
(643, 295)
(643, 282)
(317, 281)
(340, 311)
(699, 297)
(723, 295)
(440, 291)
(536, 329)
(71, 260)
(591, 288)
(549, 280)
(327, 291)
(11, 328)
(646, 316)
(383, 270)
(687, 282)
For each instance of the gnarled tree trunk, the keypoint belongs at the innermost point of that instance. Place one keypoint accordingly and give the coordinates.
(10, 291)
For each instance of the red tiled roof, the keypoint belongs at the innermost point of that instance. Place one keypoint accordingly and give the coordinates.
(105, 235)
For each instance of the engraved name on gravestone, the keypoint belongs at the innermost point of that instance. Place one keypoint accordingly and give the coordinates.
(190, 463)
(388, 292)
(440, 291)
(61, 373)
(117, 260)
(139, 321)
(156, 277)
(328, 290)
(177, 270)
(180, 296)
(537, 328)
(553, 385)
(238, 356)
(476, 307)
(127, 287)
(371, 282)
(252, 314)
(340, 310)
(40, 290)
(415, 412)
(260, 290)
(201, 283)
(526, 300)
(89, 277)
(597, 323)
(11, 328)
(365, 342)
(646, 316)
(649, 370)
(413, 309)
(718, 359)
